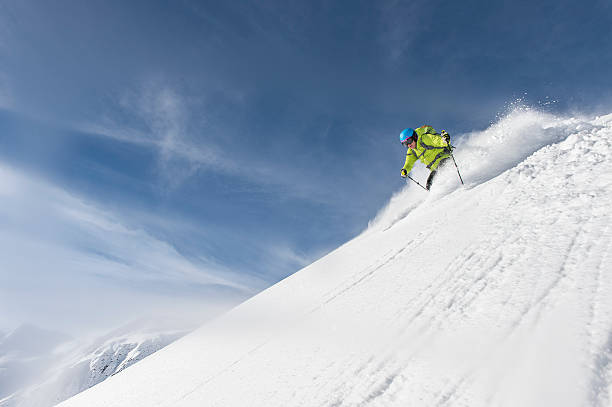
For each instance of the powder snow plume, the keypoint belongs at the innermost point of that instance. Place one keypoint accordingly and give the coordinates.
(483, 155)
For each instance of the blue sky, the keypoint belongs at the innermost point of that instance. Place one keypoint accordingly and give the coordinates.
(184, 155)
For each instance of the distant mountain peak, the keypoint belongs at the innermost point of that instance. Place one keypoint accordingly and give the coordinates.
(78, 367)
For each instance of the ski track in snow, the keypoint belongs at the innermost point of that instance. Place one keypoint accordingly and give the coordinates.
(498, 294)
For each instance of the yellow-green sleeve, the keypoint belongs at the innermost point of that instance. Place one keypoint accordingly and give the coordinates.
(434, 140)
(410, 160)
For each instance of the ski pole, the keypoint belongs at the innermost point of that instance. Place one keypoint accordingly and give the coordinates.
(417, 182)
(453, 157)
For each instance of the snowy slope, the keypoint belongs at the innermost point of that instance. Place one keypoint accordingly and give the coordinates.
(68, 368)
(499, 294)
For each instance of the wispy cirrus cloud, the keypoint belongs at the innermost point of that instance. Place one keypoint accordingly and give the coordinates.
(63, 253)
(158, 116)
(161, 116)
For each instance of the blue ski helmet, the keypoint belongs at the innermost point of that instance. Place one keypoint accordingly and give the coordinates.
(406, 134)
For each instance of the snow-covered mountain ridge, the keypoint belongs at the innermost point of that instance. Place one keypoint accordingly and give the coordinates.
(71, 367)
(497, 294)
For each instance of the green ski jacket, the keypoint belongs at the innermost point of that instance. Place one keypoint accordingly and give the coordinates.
(431, 148)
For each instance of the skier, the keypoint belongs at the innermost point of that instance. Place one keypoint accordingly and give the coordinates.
(427, 145)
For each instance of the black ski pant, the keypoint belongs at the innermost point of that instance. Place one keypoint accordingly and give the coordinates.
(434, 172)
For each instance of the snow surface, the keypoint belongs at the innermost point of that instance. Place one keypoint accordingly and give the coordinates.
(497, 294)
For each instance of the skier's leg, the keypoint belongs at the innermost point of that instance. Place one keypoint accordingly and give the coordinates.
(434, 172)
(430, 179)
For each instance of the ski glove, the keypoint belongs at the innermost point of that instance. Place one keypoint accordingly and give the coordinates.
(404, 173)
(445, 136)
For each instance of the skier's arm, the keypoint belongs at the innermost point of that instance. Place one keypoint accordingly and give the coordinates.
(434, 140)
(410, 160)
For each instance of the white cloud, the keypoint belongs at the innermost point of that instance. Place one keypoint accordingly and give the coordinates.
(155, 114)
(158, 116)
(163, 113)
(63, 253)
